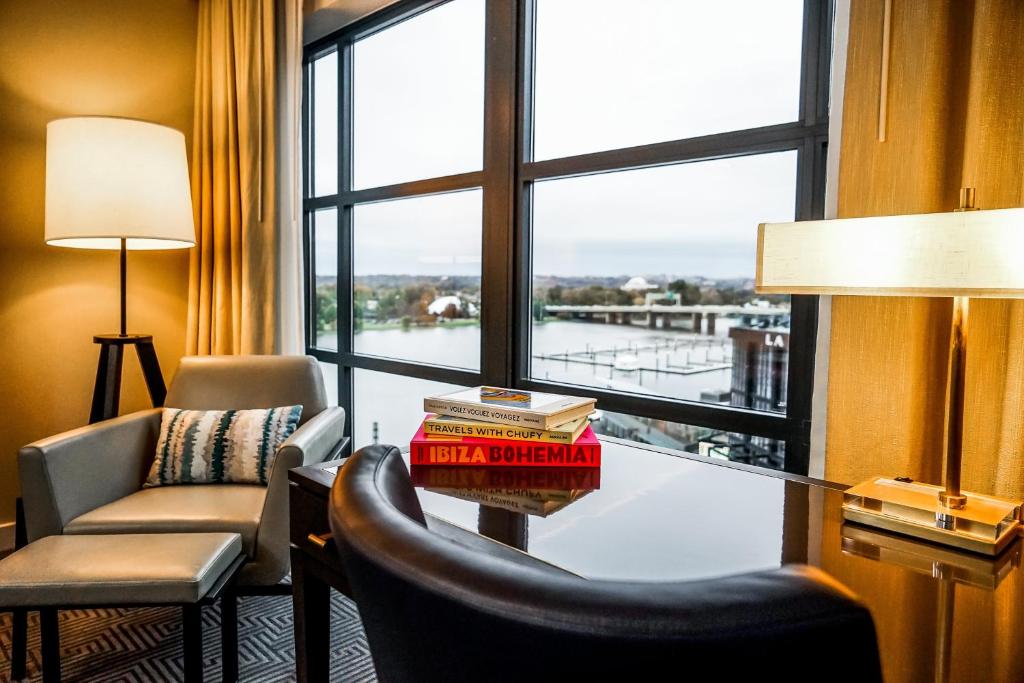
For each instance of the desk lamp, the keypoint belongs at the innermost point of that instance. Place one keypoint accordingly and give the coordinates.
(961, 254)
(118, 184)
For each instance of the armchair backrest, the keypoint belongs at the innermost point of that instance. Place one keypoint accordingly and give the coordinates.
(244, 382)
(435, 610)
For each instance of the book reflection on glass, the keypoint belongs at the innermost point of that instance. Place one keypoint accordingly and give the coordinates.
(505, 397)
(529, 490)
(536, 478)
(528, 501)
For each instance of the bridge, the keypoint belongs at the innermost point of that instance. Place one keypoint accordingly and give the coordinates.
(653, 313)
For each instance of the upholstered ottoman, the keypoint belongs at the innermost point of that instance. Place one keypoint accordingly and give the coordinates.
(124, 570)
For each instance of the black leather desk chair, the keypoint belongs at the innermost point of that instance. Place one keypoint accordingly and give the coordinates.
(437, 611)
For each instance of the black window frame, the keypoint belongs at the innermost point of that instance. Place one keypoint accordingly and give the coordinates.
(506, 180)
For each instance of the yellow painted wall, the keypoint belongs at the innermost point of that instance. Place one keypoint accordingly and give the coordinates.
(133, 58)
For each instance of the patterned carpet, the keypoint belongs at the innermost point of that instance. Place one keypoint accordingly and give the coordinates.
(144, 645)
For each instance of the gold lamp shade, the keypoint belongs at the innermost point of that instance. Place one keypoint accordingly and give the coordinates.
(109, 179)
(961, 254)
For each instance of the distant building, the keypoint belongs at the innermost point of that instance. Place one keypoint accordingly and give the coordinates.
(638, 284)
(760, 363)
(439, 305)
(760, 366)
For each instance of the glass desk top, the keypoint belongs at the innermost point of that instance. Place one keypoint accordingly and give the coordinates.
(639, 525)
(940, 615)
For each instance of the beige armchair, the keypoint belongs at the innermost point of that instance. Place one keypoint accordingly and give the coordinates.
(89, 480)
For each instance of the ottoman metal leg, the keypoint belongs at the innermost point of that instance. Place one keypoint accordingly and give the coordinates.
(19, 617)
(19, 643)
(49, 631)
(229, 636)
(192, 632)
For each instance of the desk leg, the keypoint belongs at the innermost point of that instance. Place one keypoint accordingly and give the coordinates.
(311, 604)
(510, 528)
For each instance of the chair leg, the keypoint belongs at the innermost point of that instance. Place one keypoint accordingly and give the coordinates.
(192, 633)
(49, 629)
(229, 636)
(19, 617)
(19, 643)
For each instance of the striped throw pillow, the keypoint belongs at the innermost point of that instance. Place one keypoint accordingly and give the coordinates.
(220, 446)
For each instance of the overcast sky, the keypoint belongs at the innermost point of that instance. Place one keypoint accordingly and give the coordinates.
(605, 79)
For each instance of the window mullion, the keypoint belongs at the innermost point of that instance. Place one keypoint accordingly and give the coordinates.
(507, 181)
(521, 219)
(497, 311)
(345, 290)
(779, 138)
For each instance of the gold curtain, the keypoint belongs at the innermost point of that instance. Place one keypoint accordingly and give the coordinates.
(887, 355)
(955, 117)
(232, 274)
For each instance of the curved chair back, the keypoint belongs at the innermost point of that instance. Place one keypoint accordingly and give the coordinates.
(245, 382)
(435, 610)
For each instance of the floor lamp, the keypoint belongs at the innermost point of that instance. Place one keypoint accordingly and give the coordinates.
(960, 254)
(118, 184)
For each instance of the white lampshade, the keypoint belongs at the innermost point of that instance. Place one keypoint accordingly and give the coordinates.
(963, 253)
(111, 178)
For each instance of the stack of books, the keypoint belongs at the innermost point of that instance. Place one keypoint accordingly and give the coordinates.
(527, 452)
(490, 426)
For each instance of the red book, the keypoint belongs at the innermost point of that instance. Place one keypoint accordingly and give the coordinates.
(449, 451)
(532, 478)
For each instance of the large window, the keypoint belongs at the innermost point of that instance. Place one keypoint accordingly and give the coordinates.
(563, 195)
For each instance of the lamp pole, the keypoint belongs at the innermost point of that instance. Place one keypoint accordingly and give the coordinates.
(951, 497)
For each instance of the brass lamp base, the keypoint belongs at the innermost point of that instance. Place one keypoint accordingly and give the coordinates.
(984, 524)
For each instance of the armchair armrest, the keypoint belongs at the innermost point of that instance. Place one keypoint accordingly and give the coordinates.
(67, 475)
(314, 441)
(311, 443)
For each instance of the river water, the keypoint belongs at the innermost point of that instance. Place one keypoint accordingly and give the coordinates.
(394, 403)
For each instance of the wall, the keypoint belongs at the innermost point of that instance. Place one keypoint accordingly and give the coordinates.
(127, 58)
(321, 17)
(955, 118)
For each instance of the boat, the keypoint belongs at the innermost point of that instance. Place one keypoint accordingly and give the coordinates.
(627, 363)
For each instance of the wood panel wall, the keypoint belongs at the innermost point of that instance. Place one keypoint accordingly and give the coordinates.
(59, 58)
(994, 163)
(955, 117)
